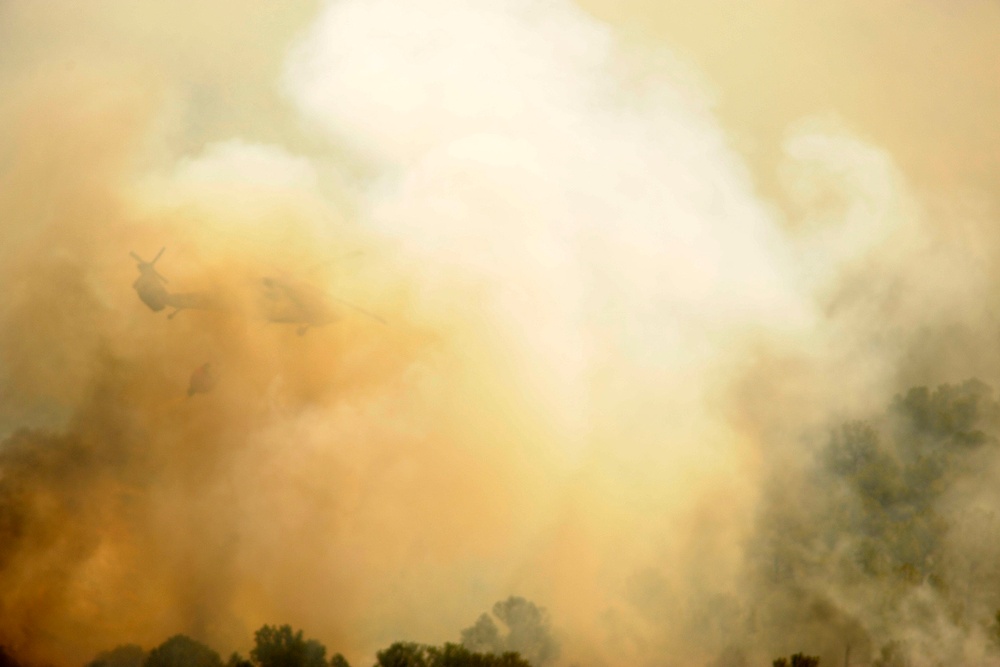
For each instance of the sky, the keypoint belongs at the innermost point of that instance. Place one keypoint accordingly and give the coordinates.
(635, 261)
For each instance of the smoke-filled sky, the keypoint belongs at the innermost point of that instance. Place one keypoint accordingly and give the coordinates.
(637, 260)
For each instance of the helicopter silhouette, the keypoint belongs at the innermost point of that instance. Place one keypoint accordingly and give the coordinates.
(280, 300)
(296, 303)
(150, 286)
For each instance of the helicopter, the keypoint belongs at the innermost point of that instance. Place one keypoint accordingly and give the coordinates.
(150, 284)
(279, 300)
(304, 305)
(150, 288)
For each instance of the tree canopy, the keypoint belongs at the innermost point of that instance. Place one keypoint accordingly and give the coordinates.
(529, 632)
(182, 651)
(127, 655)
(797, 660)
(879, 514)
(410, 654)
(281, 647)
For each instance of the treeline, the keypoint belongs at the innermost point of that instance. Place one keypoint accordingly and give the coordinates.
(520, 636)
(283, 647)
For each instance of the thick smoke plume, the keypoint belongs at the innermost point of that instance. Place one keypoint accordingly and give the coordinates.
(704, 403)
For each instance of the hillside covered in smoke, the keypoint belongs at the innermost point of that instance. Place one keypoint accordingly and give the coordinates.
(661, 315)
(883, 545)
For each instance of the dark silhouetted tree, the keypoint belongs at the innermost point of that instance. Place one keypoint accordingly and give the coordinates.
(237, 660)
(452, 655)
(528, 632)
(402, 654)
(509, 659)
(127, 655)
(182, 651)
(456, 655)
(338, 660)
(797, 660)
(280, 647)
(483, 636)
(409, 654)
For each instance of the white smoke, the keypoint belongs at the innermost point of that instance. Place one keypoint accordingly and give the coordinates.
(585, 205)
(615, 229)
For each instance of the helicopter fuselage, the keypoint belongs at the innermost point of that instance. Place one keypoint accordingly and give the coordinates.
(151, 290)
(284, 303)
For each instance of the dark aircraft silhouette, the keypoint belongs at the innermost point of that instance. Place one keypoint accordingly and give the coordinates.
(295, 303)
(150, 288)
(149, 284)
(280, 300)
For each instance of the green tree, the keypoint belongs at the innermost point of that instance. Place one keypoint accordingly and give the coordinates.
(338, 660)
(281, 647)
(127, 655)
(453, 655)
(402, 654)
(182, 651)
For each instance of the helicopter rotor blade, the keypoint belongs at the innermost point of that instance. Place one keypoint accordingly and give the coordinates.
(143, 264)
(361, 310)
